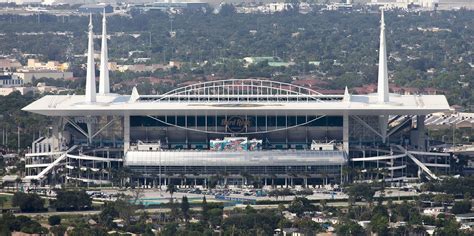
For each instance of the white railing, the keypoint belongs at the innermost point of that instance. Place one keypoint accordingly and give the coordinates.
(51, 165)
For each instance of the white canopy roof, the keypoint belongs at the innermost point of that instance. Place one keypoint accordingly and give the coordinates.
(112, 104)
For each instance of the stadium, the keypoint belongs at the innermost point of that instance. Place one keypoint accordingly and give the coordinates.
(234, 132)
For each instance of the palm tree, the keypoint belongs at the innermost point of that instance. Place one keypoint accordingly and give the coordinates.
(154, 177)
(185, 208)
(20, 166)
(225, 175)
(247, 177)
(323, 204)
(18, 182)
(124, 174)
(273, 176)
(88, 173)
(359, 173)
(384, 173)
(76, 172)
(34, 182)
(182, 176)
(115, 178)
(171, 188)
(325, 175)
(2, 202)
(371, 172)
(346, 172)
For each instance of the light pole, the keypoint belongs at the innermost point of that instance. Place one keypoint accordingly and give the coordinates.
(454, 126)
(18, 139)
(150, 39)
(159, 170)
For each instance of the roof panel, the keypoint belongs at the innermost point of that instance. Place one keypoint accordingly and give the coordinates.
(74, 105)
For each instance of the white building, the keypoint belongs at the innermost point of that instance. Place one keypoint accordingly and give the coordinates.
(10, 80)
(29, 75)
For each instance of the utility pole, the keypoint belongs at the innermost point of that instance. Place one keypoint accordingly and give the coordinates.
(171, 24)
(454, 129)
(18, 138)
(150, 38)
(149, 46)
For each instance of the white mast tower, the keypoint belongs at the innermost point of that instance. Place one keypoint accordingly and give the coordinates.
(90, 77)
(382, 89)
(104, 84)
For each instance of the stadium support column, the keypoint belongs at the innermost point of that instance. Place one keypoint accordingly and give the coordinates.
(89, 131)
(345, 132)
(383, 123)
(420, 126)
(126, 133)
(56, 145)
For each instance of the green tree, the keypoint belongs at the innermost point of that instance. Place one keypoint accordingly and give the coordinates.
(121, 208)
(362, 191)
(170, 229)
(171, 188)
(185, 208)
(9, 223)
(449, 228)
(205, 210)
(462, 207)
(87, 230)
(301, 204)
(379, 224)
(54, 220)
(108, 214)
(28, 202)
(215, 216)
(33, 227)
(444, 200)
(2, 202)
(17, 183)
(58, 230)
(68, 200)
(348, 227)
(308, 226)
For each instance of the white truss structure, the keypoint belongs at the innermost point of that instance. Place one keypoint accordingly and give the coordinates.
(241, 90)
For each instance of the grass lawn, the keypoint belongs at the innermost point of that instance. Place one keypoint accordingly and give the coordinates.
(5, 201)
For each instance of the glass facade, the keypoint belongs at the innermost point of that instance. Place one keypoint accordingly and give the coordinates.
(251, 121)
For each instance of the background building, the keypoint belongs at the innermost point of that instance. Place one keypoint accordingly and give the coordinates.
(28, 76)
(35, 64)
(96, 8)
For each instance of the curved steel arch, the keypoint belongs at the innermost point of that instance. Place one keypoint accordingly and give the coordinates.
(244, 90)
